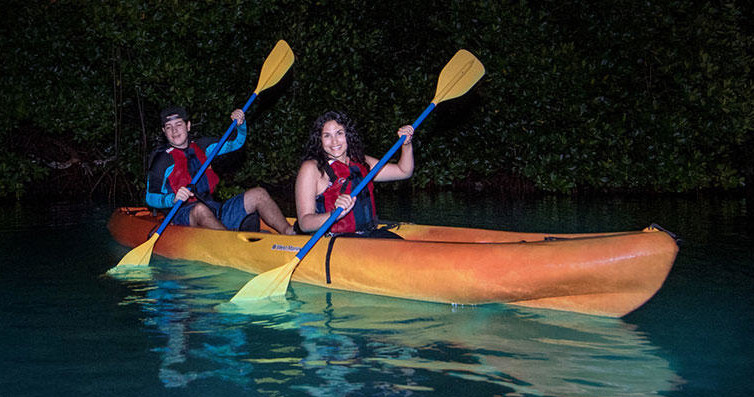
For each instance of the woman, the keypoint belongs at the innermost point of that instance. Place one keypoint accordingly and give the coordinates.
(333, 166)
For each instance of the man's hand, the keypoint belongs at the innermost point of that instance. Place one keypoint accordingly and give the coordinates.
(183, 194)
(238, 116)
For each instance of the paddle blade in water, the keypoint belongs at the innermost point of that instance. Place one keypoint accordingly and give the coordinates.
(270, 283)
(275, 66)
(458, 76)
(127, 272)
(140, 255)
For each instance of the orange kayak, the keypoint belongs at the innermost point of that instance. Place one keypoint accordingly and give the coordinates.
(608, 274)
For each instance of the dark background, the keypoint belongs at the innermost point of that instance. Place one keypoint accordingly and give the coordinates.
(579, 96)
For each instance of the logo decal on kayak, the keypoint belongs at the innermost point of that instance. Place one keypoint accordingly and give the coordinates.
(278, 247)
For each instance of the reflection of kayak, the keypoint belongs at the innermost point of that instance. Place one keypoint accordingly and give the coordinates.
(535, 353)
(334, 337)
(605, 274)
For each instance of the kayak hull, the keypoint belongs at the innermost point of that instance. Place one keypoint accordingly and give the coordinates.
(609, 274)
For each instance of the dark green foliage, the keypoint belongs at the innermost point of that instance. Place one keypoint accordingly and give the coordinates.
(595, 95)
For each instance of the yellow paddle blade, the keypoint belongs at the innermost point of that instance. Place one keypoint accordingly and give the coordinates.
(270, 283)
(458, 76)
(275, 66)
(140, 255)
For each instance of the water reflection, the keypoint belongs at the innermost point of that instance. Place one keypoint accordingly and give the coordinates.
(177, 303)
(531, 352)
(326, 343)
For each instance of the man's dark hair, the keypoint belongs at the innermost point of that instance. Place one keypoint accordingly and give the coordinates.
(171, 111)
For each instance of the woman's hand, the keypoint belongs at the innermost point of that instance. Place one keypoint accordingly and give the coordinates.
(346, 202)
(408, 131)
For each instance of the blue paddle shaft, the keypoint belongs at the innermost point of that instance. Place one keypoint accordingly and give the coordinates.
(376, 169)
(204, 167)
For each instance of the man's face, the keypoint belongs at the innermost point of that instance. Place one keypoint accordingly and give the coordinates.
(176, 131)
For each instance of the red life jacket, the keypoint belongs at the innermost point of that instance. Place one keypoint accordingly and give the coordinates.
(343, 179)
(182, 177)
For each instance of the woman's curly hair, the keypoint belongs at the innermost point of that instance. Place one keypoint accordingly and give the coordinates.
(314, 149)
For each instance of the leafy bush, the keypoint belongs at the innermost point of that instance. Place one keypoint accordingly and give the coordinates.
(578, 95)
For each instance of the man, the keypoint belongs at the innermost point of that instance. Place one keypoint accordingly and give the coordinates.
(174, 165)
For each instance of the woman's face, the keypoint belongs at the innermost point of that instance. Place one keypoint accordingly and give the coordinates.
(334, 140)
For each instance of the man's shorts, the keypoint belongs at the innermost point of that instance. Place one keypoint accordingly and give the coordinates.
(232, 212)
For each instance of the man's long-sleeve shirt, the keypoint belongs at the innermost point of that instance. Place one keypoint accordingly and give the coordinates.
(160, 193)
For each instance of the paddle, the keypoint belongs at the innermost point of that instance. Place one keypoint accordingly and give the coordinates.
(274, 68)
(456, 78)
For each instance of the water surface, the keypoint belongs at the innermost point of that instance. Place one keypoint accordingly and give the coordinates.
(67, 329)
